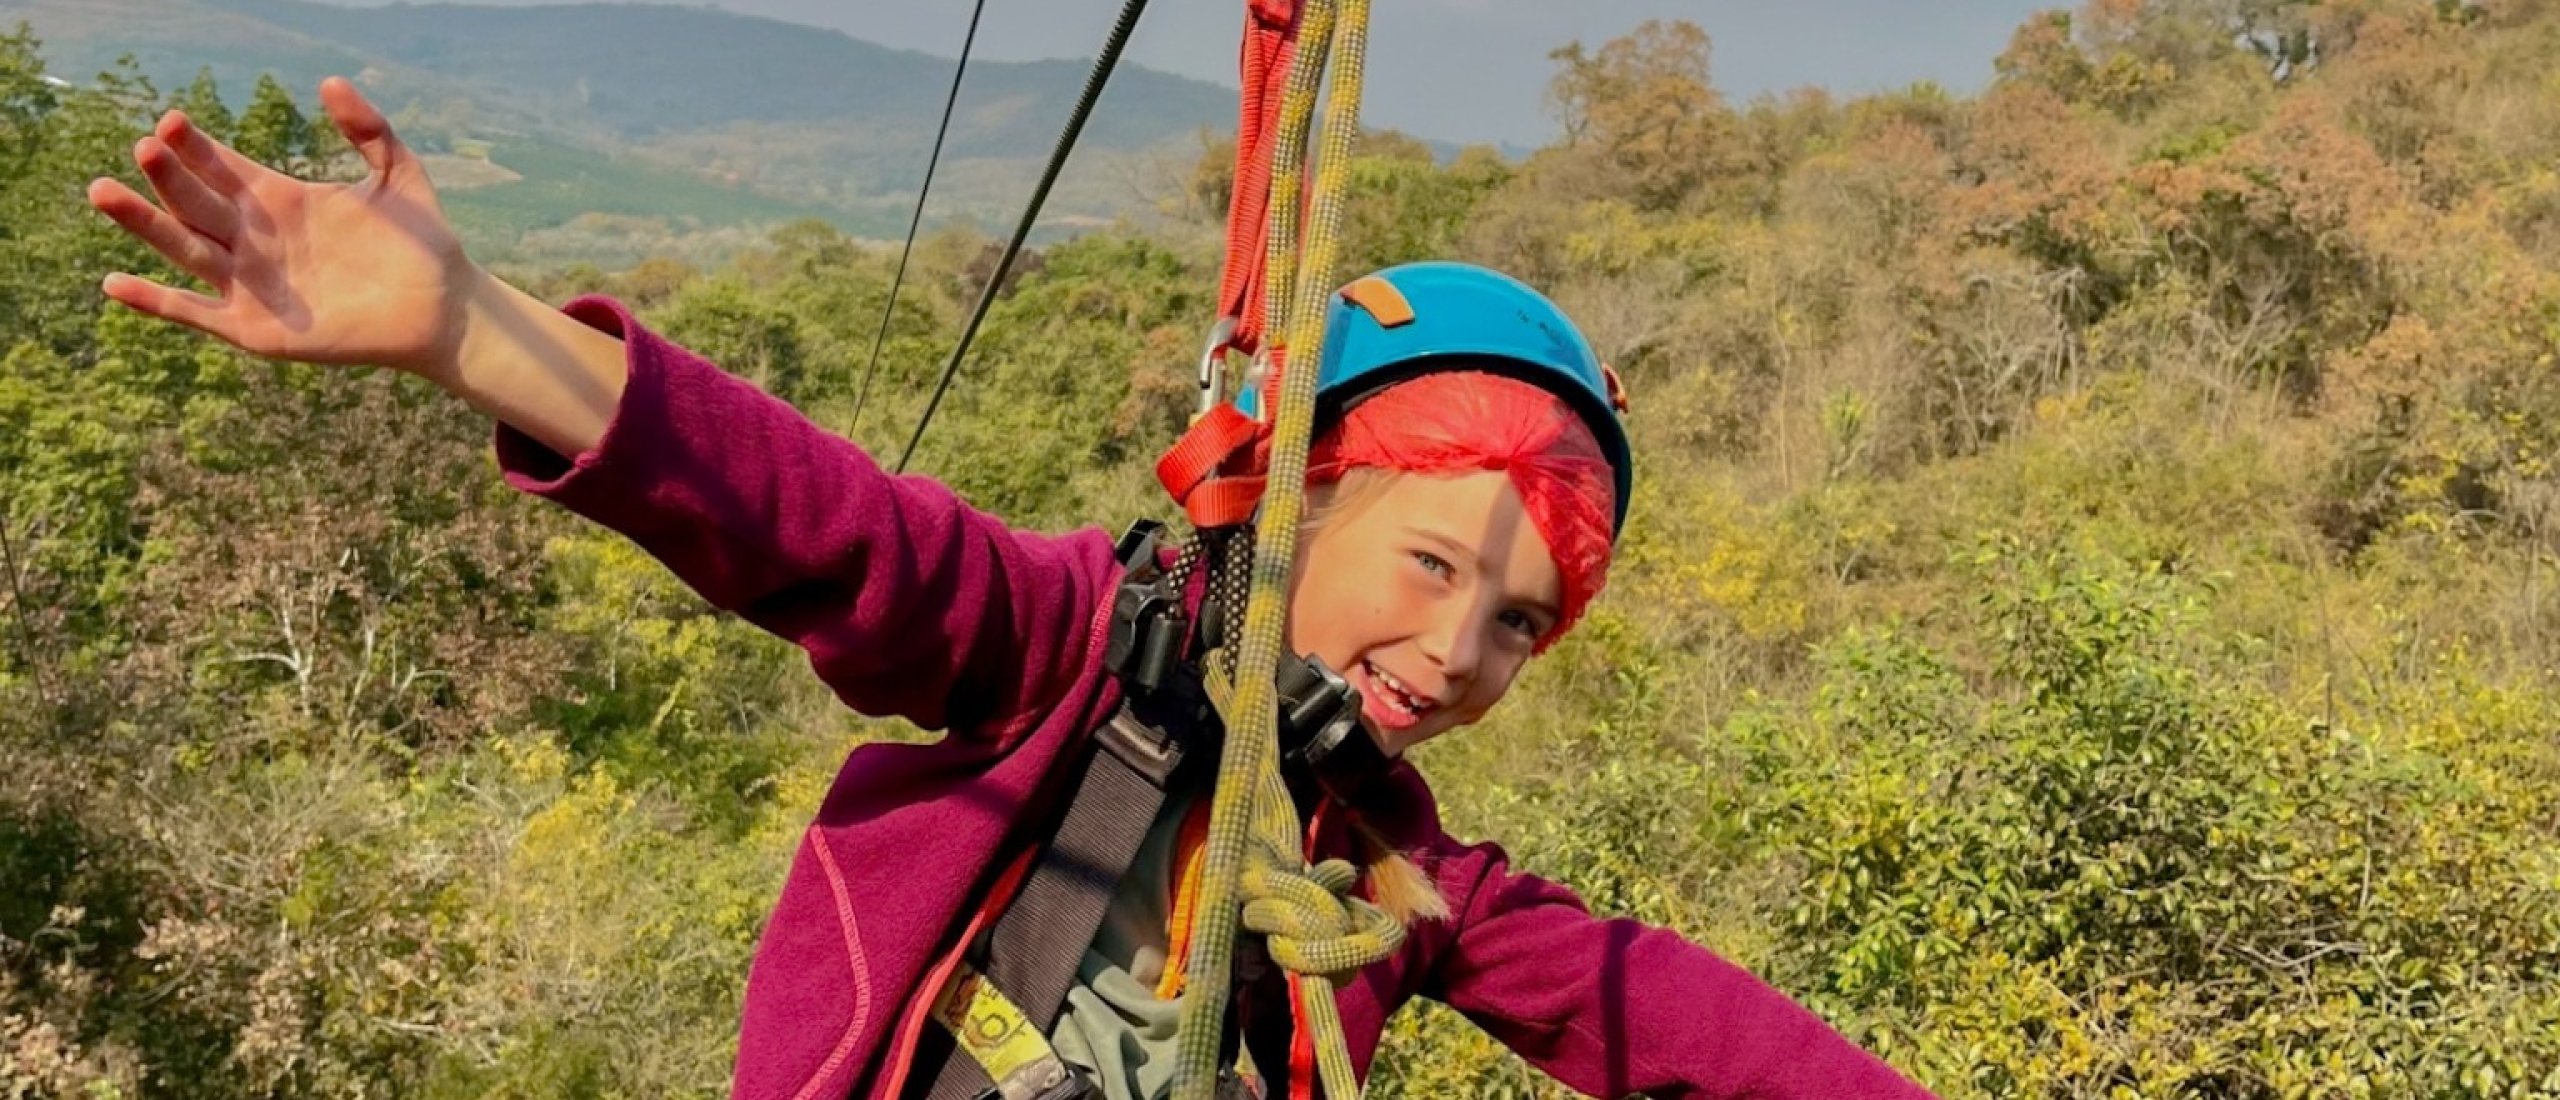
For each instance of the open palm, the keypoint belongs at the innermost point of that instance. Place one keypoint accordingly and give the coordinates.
(368, 272)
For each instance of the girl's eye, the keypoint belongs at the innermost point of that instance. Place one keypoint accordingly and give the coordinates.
(1431, 562)
(1521, 621)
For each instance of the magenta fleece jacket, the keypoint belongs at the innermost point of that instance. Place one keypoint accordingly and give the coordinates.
(910, 603)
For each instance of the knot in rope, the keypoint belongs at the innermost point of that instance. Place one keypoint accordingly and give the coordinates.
(1308, 916)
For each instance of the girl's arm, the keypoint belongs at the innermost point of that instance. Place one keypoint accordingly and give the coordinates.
(1618, 1007)
(909, 602)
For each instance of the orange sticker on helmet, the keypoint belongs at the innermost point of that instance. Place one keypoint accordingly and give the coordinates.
(1386, 304)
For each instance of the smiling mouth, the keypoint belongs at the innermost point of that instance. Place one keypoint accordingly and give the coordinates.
(1393, 697)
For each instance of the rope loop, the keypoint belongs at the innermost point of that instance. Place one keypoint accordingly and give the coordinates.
(1309, 918)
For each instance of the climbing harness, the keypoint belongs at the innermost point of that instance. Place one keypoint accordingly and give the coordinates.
(991, 1004)
(1007, 991)
(1230, 674)
(1170, 640)
(1012, 981)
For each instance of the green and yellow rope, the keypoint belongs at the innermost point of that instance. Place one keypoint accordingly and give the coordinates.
(1253, 842)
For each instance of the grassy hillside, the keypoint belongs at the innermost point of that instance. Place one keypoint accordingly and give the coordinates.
(561, 183)
(171, 40)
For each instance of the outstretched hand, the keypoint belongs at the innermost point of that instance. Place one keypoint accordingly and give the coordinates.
(363, 273)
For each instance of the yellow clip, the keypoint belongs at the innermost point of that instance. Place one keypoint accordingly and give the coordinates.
(1385, 303)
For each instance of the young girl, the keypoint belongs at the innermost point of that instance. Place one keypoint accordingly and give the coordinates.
(1464, 510)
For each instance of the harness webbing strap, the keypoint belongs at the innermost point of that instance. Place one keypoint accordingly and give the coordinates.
(1189, 471)
(1032, 951)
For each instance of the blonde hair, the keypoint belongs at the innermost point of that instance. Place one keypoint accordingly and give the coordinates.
(1394, 882)
(1355, 489)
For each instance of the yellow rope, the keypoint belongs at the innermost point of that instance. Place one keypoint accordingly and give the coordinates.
(1288, 171)
(1314, 925)
(1253, 842)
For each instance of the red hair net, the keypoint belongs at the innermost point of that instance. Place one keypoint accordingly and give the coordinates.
(1459, 422)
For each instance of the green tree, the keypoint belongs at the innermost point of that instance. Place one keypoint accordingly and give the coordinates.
(273, 130)
(202, 102)
(26, 97)
(53, 141)
(1412, 209)
(736, 327)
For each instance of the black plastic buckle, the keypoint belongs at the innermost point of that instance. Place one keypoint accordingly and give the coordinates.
(1148, 624)
(1320, 727)
(1319, 710)
(1138, 545)
(1145, 749)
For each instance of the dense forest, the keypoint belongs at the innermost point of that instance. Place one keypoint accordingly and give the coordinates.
(2087, 626)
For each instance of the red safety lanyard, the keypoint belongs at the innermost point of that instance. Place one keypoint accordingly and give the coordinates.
(1270, 44)
(1191, 470)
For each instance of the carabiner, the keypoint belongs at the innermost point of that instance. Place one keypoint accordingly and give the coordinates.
(1213, 363)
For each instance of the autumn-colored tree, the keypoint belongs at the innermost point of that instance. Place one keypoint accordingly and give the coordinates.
(1644, 106)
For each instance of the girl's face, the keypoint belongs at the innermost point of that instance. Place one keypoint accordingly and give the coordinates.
(1428, 594)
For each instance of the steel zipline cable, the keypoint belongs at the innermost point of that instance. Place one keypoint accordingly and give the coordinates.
(888, 309)
(1093, 84)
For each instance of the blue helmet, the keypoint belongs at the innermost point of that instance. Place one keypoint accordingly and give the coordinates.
(1423, 318)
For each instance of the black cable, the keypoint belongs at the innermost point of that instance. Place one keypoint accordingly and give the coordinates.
(1101, 74)
(890, 308)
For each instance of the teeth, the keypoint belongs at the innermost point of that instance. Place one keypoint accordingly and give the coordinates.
(1405, 698)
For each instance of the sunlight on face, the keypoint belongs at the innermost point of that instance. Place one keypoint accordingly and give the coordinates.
(1427, 593)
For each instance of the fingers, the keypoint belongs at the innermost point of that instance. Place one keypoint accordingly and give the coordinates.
(191, 250)
(221, 167)
(365, 128)
(193, 310)
(186, 194)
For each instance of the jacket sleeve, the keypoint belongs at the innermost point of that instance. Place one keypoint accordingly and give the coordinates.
(1617, 1007)
(908, 602)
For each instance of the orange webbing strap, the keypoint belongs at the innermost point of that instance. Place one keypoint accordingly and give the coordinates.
(1190, 852)
(1270, 43)
(1190, 471)
(1222, 438)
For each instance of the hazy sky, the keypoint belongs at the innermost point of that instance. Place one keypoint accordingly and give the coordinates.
(1476, 70)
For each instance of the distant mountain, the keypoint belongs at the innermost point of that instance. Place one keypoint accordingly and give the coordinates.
(647, 70)
(799, 118)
